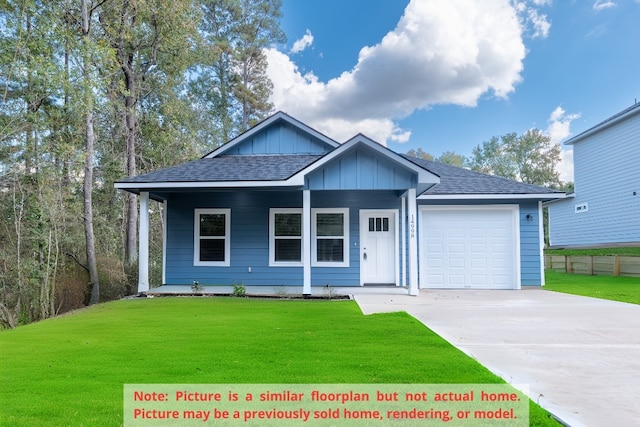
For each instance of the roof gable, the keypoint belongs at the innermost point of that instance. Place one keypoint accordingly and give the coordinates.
(362, 163)
(279, 134)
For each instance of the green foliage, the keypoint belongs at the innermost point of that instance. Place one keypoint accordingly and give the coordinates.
(447, 158)
(230, 80)
(128, 69)
(420, 154)
(239, 290)
(530, 158)
(452, 158)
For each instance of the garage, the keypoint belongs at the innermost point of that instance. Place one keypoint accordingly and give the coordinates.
(469, 247)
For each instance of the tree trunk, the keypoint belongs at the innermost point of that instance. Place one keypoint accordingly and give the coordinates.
(130, 134)
(92, 265)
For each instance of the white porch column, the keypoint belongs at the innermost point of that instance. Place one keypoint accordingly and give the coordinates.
(403, 219)
(413, 242)
(143, 244)
(306, 242)
(164, 242)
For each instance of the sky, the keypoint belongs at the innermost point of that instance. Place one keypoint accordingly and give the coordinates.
(447, 75)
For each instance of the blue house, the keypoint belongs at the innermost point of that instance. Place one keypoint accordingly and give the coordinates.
(605, 207)
(283, 206)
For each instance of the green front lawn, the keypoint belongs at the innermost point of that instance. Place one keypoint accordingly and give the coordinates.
(70, 370)
(624, 289)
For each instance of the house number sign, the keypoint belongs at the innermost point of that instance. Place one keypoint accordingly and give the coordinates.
(412, 228)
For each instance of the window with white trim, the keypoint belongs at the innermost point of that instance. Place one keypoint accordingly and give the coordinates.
(212, 236)
(330, 237)
(285, 237)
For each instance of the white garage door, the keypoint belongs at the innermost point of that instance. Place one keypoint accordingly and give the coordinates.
(471, 247)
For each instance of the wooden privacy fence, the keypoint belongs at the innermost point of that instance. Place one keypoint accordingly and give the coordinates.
(612, 265)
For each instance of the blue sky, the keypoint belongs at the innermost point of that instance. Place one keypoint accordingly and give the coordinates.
(450, 74)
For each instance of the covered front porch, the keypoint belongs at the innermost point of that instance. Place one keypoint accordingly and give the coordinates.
(250, 260)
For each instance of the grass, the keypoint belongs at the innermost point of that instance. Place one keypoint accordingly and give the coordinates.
(624, 289)
(70, 370)
(624, 251)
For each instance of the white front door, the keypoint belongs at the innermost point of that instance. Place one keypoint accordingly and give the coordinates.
(378, 247)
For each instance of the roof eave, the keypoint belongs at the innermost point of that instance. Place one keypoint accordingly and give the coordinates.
(142, 186)
(629, 112)
(493, 196)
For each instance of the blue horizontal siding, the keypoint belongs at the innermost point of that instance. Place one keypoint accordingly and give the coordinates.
(607, 179)
(250, 236)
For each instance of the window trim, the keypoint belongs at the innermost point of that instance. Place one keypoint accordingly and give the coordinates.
(197, 238)
(314, 238)
(272, 238)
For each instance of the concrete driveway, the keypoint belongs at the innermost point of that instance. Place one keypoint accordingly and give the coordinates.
(580, 356)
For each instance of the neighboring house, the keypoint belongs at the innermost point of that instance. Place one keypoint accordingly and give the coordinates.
(605, 208)
(282, 206)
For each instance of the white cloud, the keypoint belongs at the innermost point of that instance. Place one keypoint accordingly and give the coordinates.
(603, 4)
(540, 23)
(302, 43)
(535, 23)
(441, 52)
(559, 129)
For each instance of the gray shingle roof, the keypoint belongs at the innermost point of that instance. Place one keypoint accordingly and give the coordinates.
(230, 168)
(455, 180)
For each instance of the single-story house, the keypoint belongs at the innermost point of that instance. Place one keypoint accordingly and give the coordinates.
(604, 210)
(284, 206)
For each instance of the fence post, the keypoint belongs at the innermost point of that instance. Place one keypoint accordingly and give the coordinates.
(568, 264)
(616, 265)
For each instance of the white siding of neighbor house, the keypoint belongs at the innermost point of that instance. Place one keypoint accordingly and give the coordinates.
(607, 174)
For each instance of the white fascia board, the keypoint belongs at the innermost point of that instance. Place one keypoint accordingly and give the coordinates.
(207, 184)
(265, 124)
(490, 196)
(566, 198)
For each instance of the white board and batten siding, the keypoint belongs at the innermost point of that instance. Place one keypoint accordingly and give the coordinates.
(470, 247)
(606, 206)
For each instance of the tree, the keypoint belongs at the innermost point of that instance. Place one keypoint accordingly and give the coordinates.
(230, 83)
(86, 62)
(258, 28)
(529, 158)
(35, 138)
(447, 158)
(451, 158)
(152, 39)
(91, 90)
(420, 154)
